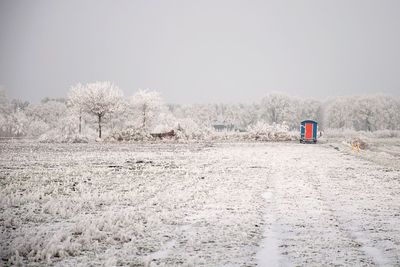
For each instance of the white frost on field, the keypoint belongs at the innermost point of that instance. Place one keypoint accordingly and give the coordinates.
(373, 252)
(130, 204)
(248, 204)
(383, 151)
(331, 208)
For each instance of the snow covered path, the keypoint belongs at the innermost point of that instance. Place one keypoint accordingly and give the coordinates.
(325, 207)
(266, 204)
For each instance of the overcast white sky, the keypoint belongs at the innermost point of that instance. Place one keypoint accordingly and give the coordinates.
(201, 51)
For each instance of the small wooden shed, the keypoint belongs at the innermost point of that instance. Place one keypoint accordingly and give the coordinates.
(308, 131)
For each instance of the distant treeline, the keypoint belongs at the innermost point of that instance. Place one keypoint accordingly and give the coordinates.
(89, 109)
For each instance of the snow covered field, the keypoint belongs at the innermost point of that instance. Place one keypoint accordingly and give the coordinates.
(213, 204)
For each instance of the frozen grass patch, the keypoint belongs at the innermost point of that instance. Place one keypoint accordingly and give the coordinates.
(129, 204)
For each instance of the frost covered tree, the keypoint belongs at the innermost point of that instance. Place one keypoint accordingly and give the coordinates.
(36, 128)
(148, 105)
(389, 108)
(20, 124)
(165, 122)
(5, 107)
(248, 114)
(205, 115)
(241, 115)
(335, 113)
(19, 105)
(119, 119)
(5, 112)
(100, 99)
(309, 109)
(371, 113)
(47, 111)
(76, 100)
(279, 108)
(362, 113)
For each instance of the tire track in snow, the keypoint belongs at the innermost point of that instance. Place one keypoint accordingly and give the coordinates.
(364, 199)
(269, 255)
(310, 226)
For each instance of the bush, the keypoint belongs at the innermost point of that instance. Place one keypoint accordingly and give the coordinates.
(54, 136)
(358, 142)
(129, 134)
(262, 131)
(349, 133)
(37, 128)
(187, 129)
(385, 134)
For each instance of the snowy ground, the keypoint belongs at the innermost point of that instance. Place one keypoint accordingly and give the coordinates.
(246, 204)
(383, 151)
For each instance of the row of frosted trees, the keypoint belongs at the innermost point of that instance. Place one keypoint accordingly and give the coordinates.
(104, 100)
(99, 103)
(360, 113)
(96, 105)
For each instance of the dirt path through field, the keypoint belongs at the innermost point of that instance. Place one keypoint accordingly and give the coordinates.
(325, 207)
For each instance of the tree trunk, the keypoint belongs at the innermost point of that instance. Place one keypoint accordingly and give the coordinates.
(144, 118)
(99, 126)
(80, 124)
